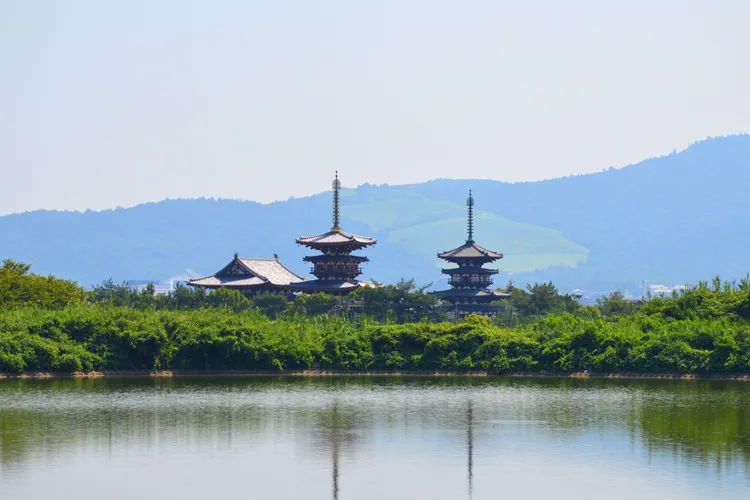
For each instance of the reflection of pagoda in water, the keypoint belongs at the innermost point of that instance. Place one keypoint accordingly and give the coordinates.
(470, 449)
(338, 435)
(335, 268)
(470, 281)
(335, 437)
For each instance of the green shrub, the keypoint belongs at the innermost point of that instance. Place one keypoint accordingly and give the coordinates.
(88, 337)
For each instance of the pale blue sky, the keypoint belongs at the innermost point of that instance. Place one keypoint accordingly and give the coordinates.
(116, 103)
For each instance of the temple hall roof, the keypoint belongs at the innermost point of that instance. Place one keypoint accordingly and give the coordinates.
(271, 270)
(227, 281)
(242, 272)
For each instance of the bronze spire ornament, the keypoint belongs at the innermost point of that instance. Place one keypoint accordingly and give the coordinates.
(336, 207)
(470, 204)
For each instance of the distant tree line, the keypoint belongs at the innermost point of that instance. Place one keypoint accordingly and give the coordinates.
(403, 302)
(52, 324)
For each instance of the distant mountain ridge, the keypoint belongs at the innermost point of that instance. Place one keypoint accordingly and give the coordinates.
(674, 219)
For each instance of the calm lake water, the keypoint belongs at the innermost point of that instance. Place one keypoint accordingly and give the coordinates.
(373, 438)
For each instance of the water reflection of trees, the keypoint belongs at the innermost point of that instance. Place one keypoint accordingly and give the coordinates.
(705, 422)
(708, 426)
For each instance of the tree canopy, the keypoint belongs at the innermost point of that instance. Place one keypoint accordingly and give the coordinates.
(19, 287)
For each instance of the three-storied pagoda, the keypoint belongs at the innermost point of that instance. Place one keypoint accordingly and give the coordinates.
(470, 282)
(335, 268)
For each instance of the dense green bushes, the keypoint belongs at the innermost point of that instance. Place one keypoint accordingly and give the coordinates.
(90, 337)
(717, 300)
(402, 303)
(18, 287)
(51, 324)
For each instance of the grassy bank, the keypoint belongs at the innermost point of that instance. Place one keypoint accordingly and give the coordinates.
(88, 337)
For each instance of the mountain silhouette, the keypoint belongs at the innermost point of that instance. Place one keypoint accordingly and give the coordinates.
(675, 219)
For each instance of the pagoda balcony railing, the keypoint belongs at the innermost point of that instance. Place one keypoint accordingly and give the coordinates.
(328, 271)
(468, 270)
(466, 280)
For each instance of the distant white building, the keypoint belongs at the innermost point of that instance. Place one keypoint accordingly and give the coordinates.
(664, 290)
(163, 287)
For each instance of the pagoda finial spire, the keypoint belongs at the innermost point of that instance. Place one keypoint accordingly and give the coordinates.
(470, 204)
(336, 208)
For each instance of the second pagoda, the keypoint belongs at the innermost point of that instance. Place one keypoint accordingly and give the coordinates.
(470, 282)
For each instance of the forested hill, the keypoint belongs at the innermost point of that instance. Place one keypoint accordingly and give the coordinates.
(674, 219)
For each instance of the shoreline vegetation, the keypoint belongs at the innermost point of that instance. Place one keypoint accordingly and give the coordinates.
(335, 373)
(52, 326)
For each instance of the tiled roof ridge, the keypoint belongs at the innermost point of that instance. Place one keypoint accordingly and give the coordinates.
(262, 274)
(253, 271)
(276, 260)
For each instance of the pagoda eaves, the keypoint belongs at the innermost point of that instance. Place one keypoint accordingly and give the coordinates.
(470, 250)
(470, 282)
(335, 269)
(336, 239)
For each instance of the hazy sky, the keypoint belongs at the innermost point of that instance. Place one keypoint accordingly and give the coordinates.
(116, 103)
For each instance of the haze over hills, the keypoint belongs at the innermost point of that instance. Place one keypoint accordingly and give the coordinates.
(675, 219)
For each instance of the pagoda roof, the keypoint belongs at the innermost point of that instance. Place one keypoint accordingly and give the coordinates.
(469, 270)
(470, 292)
(329, 257)
(333, 238)
(470, 250)
(243, 272)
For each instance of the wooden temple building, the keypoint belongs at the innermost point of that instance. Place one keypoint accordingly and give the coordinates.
(335, 269)
(251, 277)
(470, 282)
